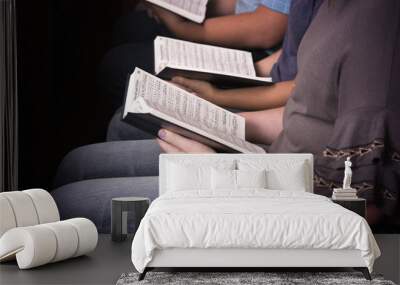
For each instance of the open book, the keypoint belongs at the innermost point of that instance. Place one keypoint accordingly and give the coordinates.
(152, 103)
(222, 66)
(194, 10)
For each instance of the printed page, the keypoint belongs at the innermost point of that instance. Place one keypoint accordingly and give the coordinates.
(182, 105)
(194, 10)
(199, 57)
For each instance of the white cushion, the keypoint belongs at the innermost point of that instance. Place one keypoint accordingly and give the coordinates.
(183, 178)
(67, 237)
(185, 174)
(34, 244)
(223, 179)
(202, 160)
(45, 205)
(281, 174)
(226, 179)
(87, 233)
(251, 178)
(7, 218)
(23, 208)
(247, 162)
(26, 208)
(40, 244)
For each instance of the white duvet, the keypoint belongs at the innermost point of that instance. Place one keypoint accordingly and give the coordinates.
(250, 219)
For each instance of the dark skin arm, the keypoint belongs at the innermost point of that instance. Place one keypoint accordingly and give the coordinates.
(262, 28)
(217, 8)
(250, 98)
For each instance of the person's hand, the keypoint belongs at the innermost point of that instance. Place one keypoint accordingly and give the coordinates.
(202, 89)
(169, 18)
(174, 143)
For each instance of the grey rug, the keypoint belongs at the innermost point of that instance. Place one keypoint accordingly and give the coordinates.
(244, 278)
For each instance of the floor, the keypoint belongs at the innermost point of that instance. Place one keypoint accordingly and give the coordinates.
(111, 259)
(388, 264)
(95, 268)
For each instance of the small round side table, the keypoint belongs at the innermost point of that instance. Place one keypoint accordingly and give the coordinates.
(119, 215)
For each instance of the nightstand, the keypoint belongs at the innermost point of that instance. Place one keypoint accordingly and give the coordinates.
(119, 215)
(358, 205)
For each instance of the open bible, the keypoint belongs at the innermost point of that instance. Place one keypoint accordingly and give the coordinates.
(222, 66)
(152, 103)
(194, 10)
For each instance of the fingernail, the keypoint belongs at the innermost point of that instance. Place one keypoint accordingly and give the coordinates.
(162, 134)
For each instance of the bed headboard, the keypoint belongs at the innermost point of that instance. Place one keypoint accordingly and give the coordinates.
(272, 158)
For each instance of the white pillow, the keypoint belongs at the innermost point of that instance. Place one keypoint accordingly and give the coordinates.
(292, 180)
(183, 178)
(281, 174)
(226, 179)
(193, 174)
(251, 178)
(223, 179)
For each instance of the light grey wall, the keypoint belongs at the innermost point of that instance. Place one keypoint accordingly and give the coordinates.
(389, 262)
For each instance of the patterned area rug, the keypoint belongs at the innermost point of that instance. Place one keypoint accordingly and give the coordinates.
(244, 278)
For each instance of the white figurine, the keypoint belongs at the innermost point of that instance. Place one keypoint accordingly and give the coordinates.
(347, 174)
(346, 192)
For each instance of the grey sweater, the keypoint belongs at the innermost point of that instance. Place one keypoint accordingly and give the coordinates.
(347, 99)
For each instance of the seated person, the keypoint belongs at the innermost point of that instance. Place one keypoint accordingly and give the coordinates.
(344, 103)
(258, 24)
(281, 66)
(284, 69)
(229, 23)
(340, 110)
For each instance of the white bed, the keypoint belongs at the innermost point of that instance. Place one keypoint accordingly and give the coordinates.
(198, 223)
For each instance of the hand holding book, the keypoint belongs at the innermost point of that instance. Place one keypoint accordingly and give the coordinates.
(200, 88)
(164, 16)
(172, 12)
(174, 143)
(222, 66)
(153, 104)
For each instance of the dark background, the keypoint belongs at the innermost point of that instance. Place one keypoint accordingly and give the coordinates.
(60, 45)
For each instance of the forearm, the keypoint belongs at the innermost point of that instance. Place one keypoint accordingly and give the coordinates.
(216, 8)
(263, 126)
(254, 98)
(264, 66)
(260, 29)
